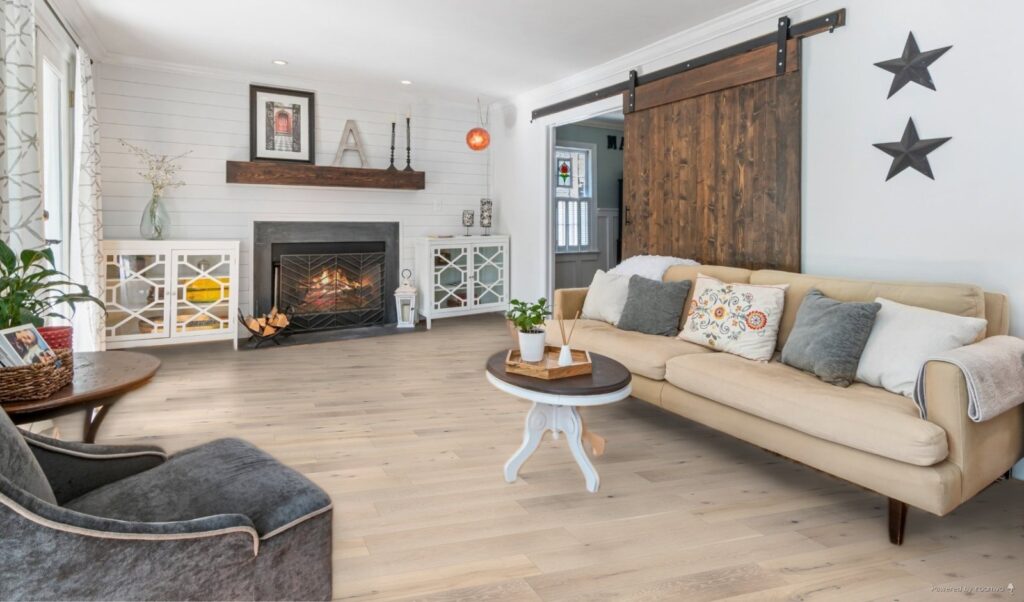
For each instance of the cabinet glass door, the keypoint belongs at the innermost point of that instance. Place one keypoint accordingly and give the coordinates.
(202, 292)
(488, 274)
(451, 278)
(136, 295)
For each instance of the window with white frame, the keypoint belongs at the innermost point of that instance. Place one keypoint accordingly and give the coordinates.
(575, 206)
(55, 66)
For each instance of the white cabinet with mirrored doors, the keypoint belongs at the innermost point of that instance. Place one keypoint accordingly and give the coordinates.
(461, 275)
(165, 292)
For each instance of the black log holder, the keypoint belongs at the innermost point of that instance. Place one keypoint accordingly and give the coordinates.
(259, 338)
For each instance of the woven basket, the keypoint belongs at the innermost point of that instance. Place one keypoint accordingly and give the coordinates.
(38, 381)
(57, 337)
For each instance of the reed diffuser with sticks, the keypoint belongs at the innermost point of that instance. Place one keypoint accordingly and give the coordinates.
(565, 354)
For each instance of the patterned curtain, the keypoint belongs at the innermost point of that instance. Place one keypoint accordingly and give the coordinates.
(86, 219)
(21, 201)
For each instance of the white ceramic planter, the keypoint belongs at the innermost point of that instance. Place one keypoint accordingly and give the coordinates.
(531, 346)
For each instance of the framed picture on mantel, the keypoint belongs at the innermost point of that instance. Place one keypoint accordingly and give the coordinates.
(281, 125)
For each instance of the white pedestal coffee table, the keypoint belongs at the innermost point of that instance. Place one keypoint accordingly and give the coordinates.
(556, 406)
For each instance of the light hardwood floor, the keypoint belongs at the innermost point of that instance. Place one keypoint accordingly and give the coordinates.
(409, 440)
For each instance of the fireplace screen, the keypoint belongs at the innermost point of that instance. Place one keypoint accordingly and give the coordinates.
(334, 290)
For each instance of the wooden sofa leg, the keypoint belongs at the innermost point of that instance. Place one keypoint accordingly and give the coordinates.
(897, 521)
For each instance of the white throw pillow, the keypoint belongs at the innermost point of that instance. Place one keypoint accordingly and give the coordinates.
(742, 319)
(606, 297)
(649, 266)
(904, 337)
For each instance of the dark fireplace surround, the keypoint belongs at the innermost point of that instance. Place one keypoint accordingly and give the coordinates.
(330, 274)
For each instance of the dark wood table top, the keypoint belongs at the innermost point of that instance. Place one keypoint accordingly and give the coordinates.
(98, 375)
(608, 376)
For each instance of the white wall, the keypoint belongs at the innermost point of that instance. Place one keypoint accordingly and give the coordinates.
(965, 226)
(173, 111)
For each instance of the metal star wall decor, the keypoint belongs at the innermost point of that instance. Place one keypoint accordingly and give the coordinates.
(912, 66)
(910, 151)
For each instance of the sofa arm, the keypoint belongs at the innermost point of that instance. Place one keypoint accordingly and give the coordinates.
(53, 553)
(568, 301)
(74, 469)
(982, 450)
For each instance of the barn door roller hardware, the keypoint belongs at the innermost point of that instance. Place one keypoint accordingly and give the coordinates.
(785, 31)
(780, 44)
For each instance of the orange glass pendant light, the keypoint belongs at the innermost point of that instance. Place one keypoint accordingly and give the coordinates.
(478, 139)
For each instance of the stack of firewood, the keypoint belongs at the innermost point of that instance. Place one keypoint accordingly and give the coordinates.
(267, 324)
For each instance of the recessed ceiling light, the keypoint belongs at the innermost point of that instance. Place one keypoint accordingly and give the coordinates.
(279, 62)
(406, 82)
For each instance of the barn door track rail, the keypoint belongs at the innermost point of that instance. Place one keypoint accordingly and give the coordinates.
(785, 31)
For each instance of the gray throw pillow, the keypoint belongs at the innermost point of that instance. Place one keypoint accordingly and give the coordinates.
(829, 337)
(654, 307)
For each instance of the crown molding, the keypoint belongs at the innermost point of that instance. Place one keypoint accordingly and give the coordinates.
(78, 22)
(665, 51)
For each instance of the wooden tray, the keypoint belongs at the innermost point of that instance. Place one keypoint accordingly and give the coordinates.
(548, 368)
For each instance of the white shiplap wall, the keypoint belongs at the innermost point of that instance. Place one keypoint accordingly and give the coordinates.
(173, 111)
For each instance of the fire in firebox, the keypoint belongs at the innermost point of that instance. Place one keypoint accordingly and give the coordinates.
(334, 290)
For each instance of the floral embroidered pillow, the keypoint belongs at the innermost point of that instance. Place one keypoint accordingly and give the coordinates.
(742, 319)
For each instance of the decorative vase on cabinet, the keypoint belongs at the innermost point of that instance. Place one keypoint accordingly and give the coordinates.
(155, 221)
(461, 275)
(163, 292)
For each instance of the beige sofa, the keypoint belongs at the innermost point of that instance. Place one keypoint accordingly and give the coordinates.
(862, 434)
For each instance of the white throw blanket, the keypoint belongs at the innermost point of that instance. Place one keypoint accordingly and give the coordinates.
(994, 370)
(649, 266)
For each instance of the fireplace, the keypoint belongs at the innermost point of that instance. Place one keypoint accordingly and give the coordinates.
(326, 275)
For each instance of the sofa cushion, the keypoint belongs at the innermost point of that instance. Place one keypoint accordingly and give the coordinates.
(829, 337)
(736, 318)
(905, 337)
(606, 297)
(654, 307)
(643, 354)
(19, 465)
(959, 299)
(226, 476)
(860, 416)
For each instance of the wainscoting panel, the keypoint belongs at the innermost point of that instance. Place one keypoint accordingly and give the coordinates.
(573, 270)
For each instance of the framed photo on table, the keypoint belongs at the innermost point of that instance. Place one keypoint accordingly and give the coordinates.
(24, 346)
(282, 125)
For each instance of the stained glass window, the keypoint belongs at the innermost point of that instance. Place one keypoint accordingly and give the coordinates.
(575, 210)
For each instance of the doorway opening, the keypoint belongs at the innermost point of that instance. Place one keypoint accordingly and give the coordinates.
(586, 198)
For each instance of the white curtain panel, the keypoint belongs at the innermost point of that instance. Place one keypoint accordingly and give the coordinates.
(86, 218)
(21, 199)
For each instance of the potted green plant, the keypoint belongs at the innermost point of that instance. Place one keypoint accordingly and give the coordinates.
(32, 290)
(528, 319)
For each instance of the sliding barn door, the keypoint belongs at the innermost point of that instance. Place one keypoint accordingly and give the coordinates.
(712, 164)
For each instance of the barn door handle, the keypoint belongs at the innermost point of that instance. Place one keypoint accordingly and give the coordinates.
(628, 221)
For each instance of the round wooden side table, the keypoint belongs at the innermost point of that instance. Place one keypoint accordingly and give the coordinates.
(556, 406)
(101, 378)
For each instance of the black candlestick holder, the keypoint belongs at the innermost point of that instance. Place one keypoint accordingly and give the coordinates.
(392, 166)
(408, 147)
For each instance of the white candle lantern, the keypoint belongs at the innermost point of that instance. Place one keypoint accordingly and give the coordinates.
(405, 301)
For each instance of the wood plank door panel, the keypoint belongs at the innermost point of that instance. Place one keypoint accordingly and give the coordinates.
(716, 177)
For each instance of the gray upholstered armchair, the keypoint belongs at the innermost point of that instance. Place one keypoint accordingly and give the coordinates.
(222, 521)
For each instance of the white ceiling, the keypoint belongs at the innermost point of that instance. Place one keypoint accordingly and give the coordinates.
(496, 48)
